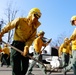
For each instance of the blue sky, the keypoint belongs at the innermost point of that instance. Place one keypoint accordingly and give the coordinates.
(56, 14)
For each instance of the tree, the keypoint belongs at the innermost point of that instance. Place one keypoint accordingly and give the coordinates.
(60, 39)
(10, 14)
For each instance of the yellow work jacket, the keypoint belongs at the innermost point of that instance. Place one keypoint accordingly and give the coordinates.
(73, 39)
(64, 49)
(38, 43)
(6, 50)
(73, 44)
(23, 32)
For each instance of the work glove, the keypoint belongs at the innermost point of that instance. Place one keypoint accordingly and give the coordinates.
(25, 52)
(40, 52)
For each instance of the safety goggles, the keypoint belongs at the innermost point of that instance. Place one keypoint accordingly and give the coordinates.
(37, 15)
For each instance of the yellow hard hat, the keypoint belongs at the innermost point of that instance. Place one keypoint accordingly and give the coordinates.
(41, 33)
(66, 39)
(73, 18)
(36, 12)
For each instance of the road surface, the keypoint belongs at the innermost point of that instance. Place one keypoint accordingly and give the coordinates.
(8, 71)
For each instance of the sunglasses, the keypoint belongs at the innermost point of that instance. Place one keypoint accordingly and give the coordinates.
(37, 15)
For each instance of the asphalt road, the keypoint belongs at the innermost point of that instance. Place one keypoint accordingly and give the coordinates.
(8, 71)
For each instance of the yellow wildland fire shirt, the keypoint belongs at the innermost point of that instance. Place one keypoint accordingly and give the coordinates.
(6, 50)
(38, 43)
(73, 39)
(73, 44)
(23, 32)
(64, 49)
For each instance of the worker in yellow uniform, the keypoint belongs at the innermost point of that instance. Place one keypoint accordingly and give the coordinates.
(24, 34)
(65, 52)
(38, 43)
(72, 39)
(6, 56)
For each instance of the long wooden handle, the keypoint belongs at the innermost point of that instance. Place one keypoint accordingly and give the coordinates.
(22, 52)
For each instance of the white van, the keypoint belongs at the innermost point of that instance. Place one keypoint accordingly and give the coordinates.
(49, 56)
